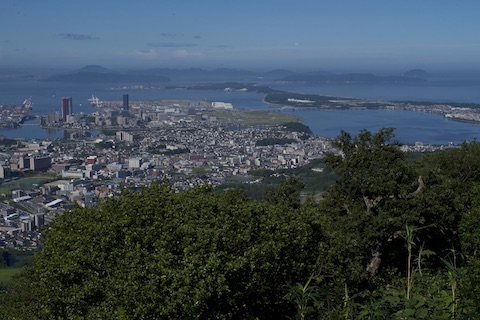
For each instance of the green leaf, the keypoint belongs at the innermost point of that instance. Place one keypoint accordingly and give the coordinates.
(422, 313)
(409, 312)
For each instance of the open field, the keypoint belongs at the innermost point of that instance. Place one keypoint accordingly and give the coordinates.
(6, 274)
(254, 118)
(23, 183)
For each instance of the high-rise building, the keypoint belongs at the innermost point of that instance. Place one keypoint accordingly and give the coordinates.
(24, 162)
(125, 102)
(40, 163)
(4, 172)
(39, 221)
(66, 107)
(135, 163)
(53, 117)
(124, 136)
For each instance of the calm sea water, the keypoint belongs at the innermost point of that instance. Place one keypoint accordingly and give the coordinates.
(464, 91)
(410, 126)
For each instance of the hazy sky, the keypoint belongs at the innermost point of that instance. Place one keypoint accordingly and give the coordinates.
(329, 35)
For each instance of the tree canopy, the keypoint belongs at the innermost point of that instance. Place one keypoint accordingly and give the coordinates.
(392, 238)
(161, 254)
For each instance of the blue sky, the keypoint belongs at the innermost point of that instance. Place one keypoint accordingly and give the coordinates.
(331, 35)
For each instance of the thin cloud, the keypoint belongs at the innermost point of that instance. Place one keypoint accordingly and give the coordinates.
(170, 35)
(171, 45)
(147, 53)
(186, 53)
(78, 36)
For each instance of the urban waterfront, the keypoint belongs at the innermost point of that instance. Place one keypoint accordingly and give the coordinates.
(410, 126)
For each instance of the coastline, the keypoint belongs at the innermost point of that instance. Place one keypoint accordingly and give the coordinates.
(300, 101)
(254, 99)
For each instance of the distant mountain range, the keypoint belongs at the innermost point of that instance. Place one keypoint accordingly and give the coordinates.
(15, 76)
(99, 74)
(95, 68)
(96, 77)
(417, 73)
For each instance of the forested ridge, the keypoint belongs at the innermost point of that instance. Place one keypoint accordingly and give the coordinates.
(393, 238)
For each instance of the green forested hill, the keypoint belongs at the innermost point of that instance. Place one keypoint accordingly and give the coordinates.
(392, 239)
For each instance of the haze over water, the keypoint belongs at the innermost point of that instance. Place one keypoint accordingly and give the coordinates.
(410, 126)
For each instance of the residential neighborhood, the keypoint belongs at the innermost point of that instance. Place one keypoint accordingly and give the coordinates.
(186, 144)
(127, 144)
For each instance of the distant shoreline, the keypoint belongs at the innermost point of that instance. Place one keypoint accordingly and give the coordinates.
(456, 111)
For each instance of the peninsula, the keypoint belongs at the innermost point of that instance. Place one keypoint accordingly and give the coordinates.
(284, 99)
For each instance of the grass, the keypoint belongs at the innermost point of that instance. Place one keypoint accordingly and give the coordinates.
(6, 274)
(267, 118)
(22, 183)
(200, 171)
(254, 118)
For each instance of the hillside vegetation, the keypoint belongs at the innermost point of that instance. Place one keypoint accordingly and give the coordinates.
(393, 238)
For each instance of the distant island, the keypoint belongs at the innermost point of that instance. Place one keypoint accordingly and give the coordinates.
(99, 74)
(89, 77)
(417, 73)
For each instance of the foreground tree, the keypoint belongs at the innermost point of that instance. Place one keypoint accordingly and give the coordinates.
(17, 300)
(161, 254)
(380, 195)
(371, 202)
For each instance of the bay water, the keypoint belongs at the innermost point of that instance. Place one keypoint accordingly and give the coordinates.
(410, 126)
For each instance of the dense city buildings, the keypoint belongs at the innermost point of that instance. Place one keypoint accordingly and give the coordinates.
(186, 142)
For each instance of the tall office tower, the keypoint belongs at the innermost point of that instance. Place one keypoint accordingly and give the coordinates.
(66, 107)
(125, 102)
